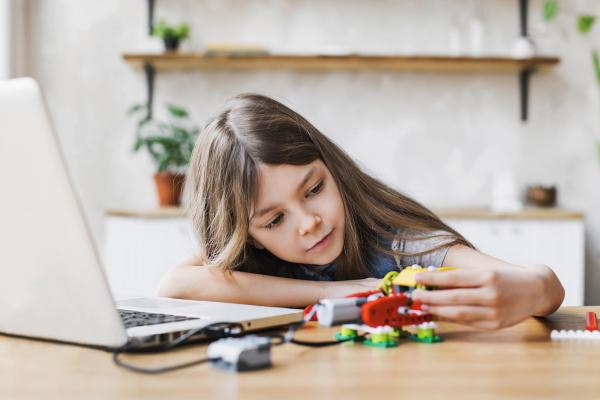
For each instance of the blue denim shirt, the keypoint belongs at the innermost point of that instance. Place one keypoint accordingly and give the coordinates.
(379, 265)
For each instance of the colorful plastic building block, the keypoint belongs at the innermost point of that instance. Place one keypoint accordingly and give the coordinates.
(386, 284)
(591, 332)
(346, 333)
(406, 279)
(378, 337)
(381, 336)
(591, 321)
(426, 333)
(574, 335)
(381, 313)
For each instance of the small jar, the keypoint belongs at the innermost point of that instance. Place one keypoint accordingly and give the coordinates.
(541, 196)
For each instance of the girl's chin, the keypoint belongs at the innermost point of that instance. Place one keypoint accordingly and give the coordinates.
(325, 259)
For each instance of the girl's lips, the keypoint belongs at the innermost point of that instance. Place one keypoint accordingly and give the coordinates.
(322, 243)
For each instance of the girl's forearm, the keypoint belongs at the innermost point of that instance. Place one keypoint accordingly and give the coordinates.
(553, 292)
(205, 283)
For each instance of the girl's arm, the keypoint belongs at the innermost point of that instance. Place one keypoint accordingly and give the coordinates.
(489, 293)
(198, 282)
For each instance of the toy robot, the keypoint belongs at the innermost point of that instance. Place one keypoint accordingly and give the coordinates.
(381, 313)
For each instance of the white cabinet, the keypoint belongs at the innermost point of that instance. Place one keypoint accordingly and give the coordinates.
(558, 243)
(142, 246)
(139, 250)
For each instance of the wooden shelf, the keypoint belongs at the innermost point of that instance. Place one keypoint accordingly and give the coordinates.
(527, 213)
(160, 212)
(427, 63)
(153, 62)
(182, 61)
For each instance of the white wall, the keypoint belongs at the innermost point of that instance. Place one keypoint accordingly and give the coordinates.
(438, 137)
(5, 39)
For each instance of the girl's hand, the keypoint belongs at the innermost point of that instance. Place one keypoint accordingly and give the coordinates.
(487, 298)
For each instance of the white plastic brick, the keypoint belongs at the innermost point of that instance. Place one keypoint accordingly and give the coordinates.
(574, 335)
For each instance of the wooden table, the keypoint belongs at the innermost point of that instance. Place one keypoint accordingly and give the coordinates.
(518, 362)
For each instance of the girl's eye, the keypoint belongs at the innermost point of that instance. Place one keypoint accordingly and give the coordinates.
(318, 187)
(274, 222)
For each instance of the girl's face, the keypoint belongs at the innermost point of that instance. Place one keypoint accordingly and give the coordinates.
(299, 214)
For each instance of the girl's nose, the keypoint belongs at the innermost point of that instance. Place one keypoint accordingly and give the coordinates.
(309, 223)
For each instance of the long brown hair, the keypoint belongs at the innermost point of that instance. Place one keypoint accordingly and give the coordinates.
(222, 181)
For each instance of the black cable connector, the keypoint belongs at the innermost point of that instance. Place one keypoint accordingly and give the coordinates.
(217, 330)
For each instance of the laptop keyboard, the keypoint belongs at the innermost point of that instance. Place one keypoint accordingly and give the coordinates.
(138, 318)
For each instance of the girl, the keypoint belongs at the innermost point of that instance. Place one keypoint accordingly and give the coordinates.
(284, 217)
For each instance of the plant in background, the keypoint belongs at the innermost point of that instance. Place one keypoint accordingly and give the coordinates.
(585, 23)
(172, 35)
(170, 144)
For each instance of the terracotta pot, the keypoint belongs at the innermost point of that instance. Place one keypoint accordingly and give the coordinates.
(169, 186)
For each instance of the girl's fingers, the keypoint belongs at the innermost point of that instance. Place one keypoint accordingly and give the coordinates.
(470, 296)
(465, 314)
(456, 278)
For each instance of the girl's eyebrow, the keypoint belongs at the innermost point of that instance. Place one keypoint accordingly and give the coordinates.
(265, 210)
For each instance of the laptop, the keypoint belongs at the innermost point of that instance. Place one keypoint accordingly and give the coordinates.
(52, 283)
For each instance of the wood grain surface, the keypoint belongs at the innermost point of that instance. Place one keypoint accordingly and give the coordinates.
(518, 362)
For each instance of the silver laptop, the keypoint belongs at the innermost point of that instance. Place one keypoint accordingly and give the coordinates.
(52, 283)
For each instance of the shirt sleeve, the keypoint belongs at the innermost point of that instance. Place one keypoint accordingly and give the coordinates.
(416, 242)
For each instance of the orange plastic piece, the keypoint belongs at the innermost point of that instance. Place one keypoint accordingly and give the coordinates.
(385, 311)
(416, 305)
(364, 294)
(307, 310)
(592, 321)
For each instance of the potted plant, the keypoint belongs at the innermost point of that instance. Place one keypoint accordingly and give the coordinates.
(172, 35)
(585, 23)
(170, 145)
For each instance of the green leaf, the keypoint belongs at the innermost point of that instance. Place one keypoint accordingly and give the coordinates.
(160, 28)
(163, 162)
(181, 134)
(596, 61)
(585, 23)
(163, 140)
(550, 10)
(153, 152)
(182, 31)
(137, 107)
(163, 30)
(143, 122)
(168, 143)
(177, 112)
(138, 144)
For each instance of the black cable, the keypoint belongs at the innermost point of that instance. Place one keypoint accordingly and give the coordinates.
(159, 370)
(323, 344)
(282, 340)
(217, 330)
(289, 338)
